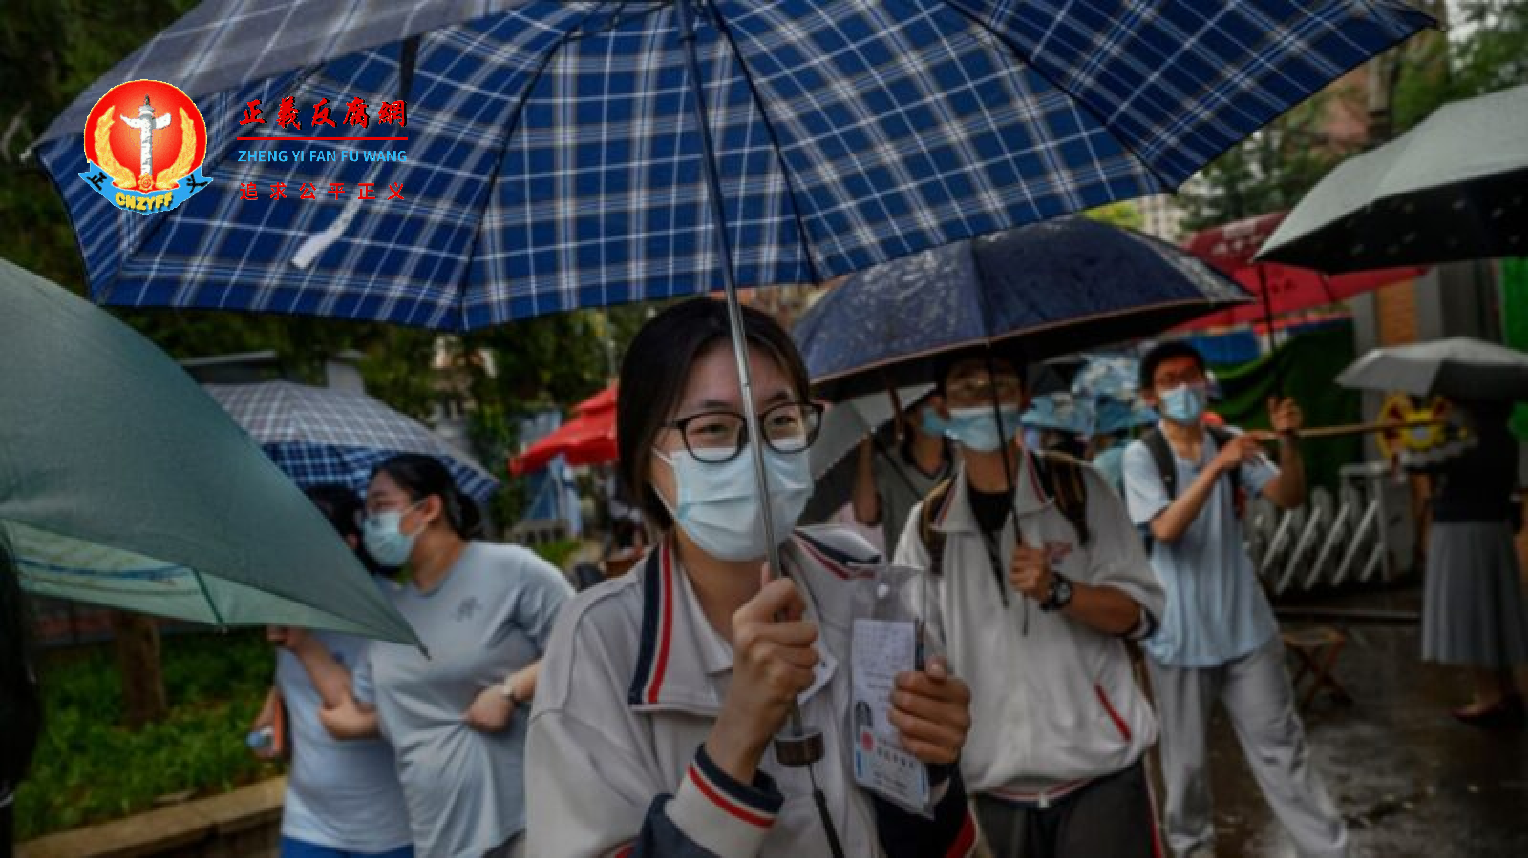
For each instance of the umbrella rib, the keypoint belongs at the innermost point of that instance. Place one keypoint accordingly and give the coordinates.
(1165, 186)
(201, 584)
(498, 164)
(774, 139)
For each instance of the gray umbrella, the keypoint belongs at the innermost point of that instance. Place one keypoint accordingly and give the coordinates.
(1461, 368)
(1455, 187)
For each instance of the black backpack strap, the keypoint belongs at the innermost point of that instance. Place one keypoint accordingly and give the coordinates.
(933, 538)
(1222, 437)
(1066, 484)
(1162, 455)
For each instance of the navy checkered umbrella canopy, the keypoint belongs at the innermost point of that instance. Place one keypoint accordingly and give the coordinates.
(553, 160)
(318, 435)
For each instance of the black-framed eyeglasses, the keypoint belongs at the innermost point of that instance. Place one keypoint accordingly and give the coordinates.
(719, 436)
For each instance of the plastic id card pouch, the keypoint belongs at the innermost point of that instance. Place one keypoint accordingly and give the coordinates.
(887, 638)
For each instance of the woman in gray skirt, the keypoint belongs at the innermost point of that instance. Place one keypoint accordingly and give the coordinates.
(1473, 610)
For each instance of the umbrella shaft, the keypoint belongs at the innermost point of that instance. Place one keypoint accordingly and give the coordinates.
(734, 305)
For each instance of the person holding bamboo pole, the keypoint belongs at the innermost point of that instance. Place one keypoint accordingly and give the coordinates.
(1218, 640)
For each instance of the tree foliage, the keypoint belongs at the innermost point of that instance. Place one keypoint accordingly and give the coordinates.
(1485, 50)
(1269, 171)
(1122, 214)
(1490, 53)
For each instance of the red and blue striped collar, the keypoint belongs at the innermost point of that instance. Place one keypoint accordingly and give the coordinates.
(669, 660)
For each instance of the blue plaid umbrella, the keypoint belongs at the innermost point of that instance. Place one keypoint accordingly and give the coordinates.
(1112, 376)
(554, 161)
(1115, 416)
(1063, 412)
(317, 435)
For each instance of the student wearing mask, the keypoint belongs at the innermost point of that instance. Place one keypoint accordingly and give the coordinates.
(888, 485)
(457, 717)
(662, 691)
(1036, 579)
(1219, 643)
(342, 799)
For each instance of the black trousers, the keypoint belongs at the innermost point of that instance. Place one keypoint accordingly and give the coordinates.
(1112, 817)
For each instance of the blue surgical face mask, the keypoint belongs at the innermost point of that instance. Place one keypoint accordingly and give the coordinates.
(385, 540)
(1184, 403)
(932, 424)
(976, 429)
(718, 502)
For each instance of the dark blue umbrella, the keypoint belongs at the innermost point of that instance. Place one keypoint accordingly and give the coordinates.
(554, 160)
(1050, 288)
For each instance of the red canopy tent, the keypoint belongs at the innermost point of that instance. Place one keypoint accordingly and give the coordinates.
(1279, 288)
(587, 439)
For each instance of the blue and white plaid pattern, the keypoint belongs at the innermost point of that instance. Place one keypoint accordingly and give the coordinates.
(553, 162)
(317, 435)
(1113, 376)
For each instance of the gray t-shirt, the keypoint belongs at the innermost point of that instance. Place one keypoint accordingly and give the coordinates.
(491, 616)
(340, 794)
(902, 485)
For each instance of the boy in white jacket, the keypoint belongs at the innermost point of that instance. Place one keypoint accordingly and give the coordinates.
(1035, 589)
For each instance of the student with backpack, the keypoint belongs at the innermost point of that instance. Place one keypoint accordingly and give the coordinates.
(1185, 485)
(1035, 579)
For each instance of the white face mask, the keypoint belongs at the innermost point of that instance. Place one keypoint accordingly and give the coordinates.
(718, 505)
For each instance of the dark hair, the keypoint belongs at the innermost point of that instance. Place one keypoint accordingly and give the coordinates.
(422, 476)
(1163, 352)
(656, 368)
(20, 698)
(344, 510)
(945, 363)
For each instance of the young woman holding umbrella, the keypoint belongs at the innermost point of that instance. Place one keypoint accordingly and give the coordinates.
(662, 691)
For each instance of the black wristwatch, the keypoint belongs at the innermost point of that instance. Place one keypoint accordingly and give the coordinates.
(1060, 594)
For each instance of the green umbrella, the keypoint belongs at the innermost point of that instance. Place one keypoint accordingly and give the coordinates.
(122, 483)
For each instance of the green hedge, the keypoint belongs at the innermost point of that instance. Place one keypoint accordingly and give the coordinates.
(89, 770)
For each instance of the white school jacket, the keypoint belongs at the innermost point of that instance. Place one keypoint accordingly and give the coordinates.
(632, 680)
(1058, 706)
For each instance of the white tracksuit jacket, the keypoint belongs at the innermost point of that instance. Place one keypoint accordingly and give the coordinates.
(632, 680)
(1058, 706)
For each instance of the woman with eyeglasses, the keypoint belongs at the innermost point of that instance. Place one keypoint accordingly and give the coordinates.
(662, 691)
(456, 718)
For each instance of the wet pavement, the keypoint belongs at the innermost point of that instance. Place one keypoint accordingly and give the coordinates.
(1409, 779)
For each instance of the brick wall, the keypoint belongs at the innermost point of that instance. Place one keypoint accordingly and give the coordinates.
(1395, 309)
